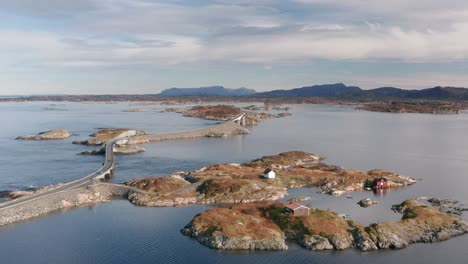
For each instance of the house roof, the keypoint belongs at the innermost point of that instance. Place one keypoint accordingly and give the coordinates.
(268, 171)
(381, 179)
(294, 206)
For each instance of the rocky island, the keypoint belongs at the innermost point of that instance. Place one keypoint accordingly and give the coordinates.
(134, 110)
(223, 113)
(106, 134)
(48, 135)
(121, 147)
(266, 227)
(425, 107)
(243, 183)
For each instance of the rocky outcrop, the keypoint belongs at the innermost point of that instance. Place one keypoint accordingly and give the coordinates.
(224, 113)
(202, 193)
(48, 135)
(366, 202)
(106, 134)
(244, 183)
(448, 205)
(118, 150)
(234, 230)
(267, 106)
(426, 107)
(315, 242)
(325, 230)
(134, 110)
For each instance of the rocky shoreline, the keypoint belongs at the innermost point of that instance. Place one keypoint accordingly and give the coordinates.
(106, 134)
(424, 107)
(244, 183)
(47, 135)
(266, 227)
(101, 192)
(224, 113)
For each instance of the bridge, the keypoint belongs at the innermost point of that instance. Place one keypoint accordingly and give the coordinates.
(229, 127)
(105, 171)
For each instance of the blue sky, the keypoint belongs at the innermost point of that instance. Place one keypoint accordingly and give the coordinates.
(145, 46)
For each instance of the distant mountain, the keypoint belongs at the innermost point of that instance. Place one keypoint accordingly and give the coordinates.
(436, 93)
(325, 90)
(207, 91)
(341, 91)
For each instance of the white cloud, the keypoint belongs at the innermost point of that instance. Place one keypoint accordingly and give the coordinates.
(125, 33)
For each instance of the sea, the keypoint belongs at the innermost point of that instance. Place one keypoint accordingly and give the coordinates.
(433, 149)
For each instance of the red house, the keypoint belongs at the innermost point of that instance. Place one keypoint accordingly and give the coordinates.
(380, 183)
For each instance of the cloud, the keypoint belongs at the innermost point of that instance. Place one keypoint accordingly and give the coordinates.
(127, 32)
(49, 9)
(267, 34)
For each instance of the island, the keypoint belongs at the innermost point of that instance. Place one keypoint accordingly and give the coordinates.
(266, 226)
(134, 110)
(425, 107)
(121, 147)
(48, 135)
(224, 112)
(105, 134)
(264, 179)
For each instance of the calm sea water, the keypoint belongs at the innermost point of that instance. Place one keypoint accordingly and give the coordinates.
(430, 148)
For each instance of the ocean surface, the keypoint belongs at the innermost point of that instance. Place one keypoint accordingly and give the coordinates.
(430, 148)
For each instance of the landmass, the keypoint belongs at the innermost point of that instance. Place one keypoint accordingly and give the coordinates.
(223, 113)
(106, 134)
(134, 110)
(243, 183)
(266, 227)
(337, 93)
(426, 107)
(207, 91)
(48, 135)
(118, 150)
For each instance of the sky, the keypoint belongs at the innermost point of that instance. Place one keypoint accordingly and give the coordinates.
(145, 46)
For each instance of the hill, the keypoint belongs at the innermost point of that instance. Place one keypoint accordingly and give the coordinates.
(207, 91)
(325, 90)
(341, 91)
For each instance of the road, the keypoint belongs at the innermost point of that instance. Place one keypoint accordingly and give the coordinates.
(107, 167)
(85, 181)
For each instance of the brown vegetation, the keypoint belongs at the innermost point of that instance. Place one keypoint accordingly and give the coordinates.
(427, 107)
(223, 113)
(106, 134)
(161, 184)
(241, 183)
(322, 229)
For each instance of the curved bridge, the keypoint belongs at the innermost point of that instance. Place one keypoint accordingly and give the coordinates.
(227, 128)
(106, 170)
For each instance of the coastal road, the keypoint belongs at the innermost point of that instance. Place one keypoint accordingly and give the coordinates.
(108, 165)
(106, 168)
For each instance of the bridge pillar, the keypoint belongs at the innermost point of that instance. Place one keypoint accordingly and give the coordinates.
(242, 121)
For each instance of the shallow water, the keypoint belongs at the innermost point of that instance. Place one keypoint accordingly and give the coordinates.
(430, 148)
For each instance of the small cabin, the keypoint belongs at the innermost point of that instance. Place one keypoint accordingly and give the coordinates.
(296, 209)
(269, 174)
(380, 183)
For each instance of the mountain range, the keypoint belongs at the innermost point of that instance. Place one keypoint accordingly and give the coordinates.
(336, 91)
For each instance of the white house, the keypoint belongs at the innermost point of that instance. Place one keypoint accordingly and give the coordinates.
(269, 174)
